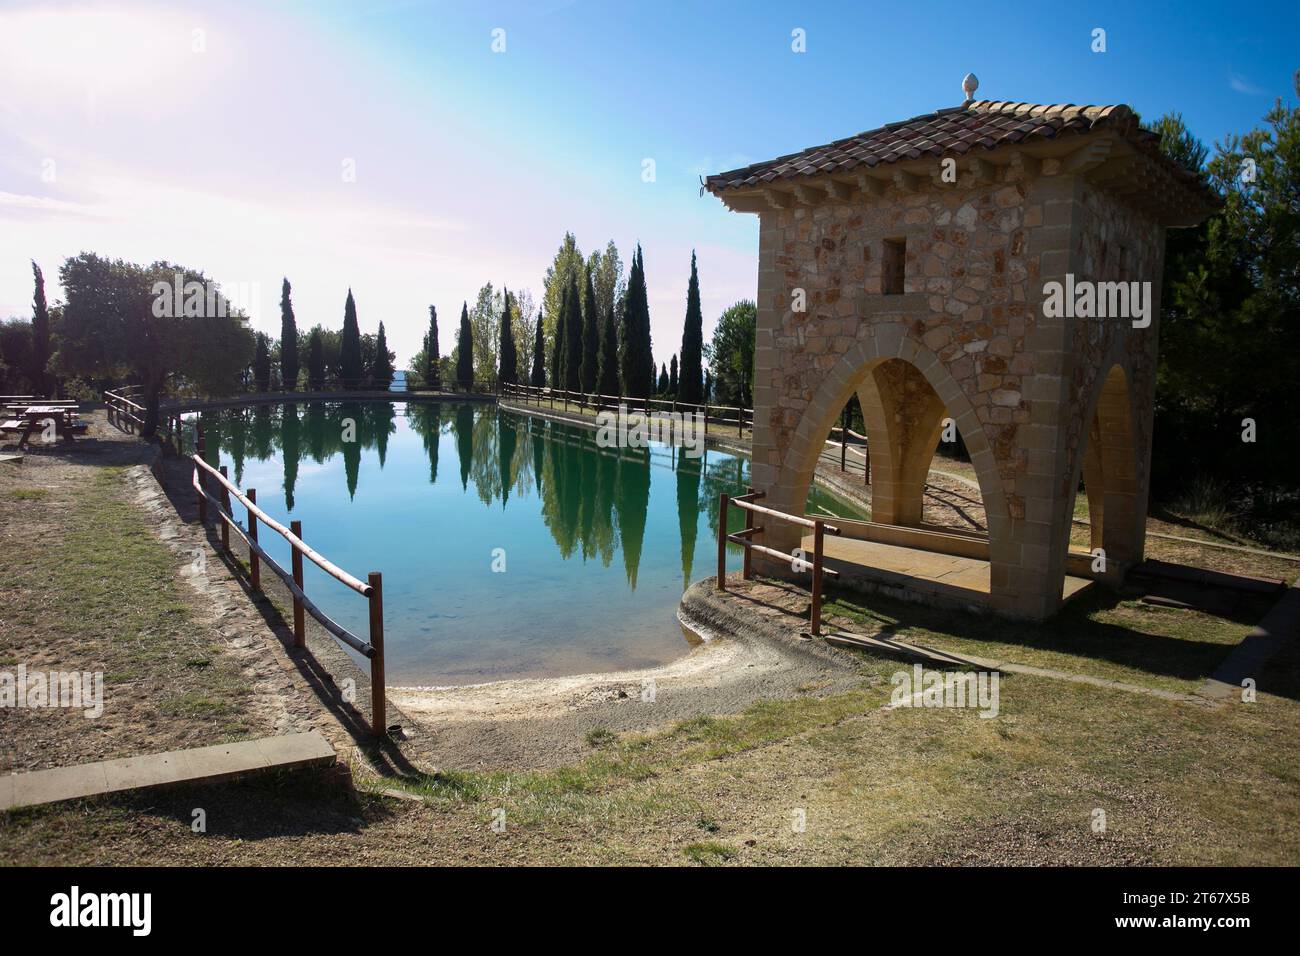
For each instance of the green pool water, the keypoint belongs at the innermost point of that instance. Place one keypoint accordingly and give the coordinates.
(597, 544)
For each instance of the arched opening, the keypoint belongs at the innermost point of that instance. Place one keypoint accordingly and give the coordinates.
(1108, 468)
(908, 398)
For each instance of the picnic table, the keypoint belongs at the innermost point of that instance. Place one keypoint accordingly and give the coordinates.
(32, 418)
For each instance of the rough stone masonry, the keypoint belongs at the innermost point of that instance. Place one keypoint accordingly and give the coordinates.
(908, 264)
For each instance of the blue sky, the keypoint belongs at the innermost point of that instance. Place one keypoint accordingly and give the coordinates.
(118, 135)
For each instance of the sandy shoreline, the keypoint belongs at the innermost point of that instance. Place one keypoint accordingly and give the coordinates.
(714, 660)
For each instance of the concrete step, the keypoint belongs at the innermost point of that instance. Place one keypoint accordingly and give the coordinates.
(200, 765)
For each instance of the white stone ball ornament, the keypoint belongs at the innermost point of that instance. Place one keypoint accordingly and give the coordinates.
(969, 84)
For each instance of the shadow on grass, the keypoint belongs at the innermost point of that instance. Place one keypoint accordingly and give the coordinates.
(1080, 629)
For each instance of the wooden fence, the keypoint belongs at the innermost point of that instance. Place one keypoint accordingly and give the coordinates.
(123, 410)
(746, 537)
(371, 589)
(739, 417)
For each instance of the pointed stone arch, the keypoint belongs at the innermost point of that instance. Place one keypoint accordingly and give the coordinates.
(899, 459)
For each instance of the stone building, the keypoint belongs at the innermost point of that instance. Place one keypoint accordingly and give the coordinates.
(915, 265)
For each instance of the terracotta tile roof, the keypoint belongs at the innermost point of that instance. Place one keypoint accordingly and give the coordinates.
(981, 124)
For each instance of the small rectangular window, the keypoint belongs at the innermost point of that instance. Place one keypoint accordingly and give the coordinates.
(891, 276)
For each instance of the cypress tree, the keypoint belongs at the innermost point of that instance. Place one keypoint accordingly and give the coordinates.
(288, 341)
(40, 355)
(608, 384)
(635, 358)
(465, 351)
(662, 387)
(673, 381)
(350, 366)
(538, 377)
(315, 361)
(692, 367)
(572, 318)
(590, 339)
(508, 360)
(262, 364)
(381, 371)
(432, 372)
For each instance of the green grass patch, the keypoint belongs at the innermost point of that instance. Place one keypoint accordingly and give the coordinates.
(709, 853)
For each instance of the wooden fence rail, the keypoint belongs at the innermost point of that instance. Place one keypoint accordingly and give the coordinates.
(371, 589)
(122, 409)
(745, 540)
(584, 400)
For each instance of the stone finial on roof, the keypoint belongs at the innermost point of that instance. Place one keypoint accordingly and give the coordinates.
(969, 84)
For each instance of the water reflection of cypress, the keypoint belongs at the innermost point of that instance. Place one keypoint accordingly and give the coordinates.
(382, 420)
(593, 500)
(290, 450)
(631, 502)
(688, 511)
(464, 425)
(425, 420)
(506, 441)
(537, 435)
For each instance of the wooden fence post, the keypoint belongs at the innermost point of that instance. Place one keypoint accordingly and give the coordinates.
(225, 507)
(378, 706)
(254, 562)
(817, 579)
(299, 621)
(747, 571)
(202, 498)
(723, 500)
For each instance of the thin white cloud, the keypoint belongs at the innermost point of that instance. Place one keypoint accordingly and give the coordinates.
(1240, 84)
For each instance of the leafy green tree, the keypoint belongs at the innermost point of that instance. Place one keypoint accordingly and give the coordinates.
(1179, 144)
(288, 341)
(262, 363)
(509, 370)
(568, 264)
(15, 356)
(381, 369)
(606, 270)
(1230, 309)
(692, 368)
(635, 358)
(350, 359)
(485, 320)
(465, 351)
(572, 318)
(590, 372)
(538, 377)
(731, 355)
(121, 320)
(316, 361)
(40, 357)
